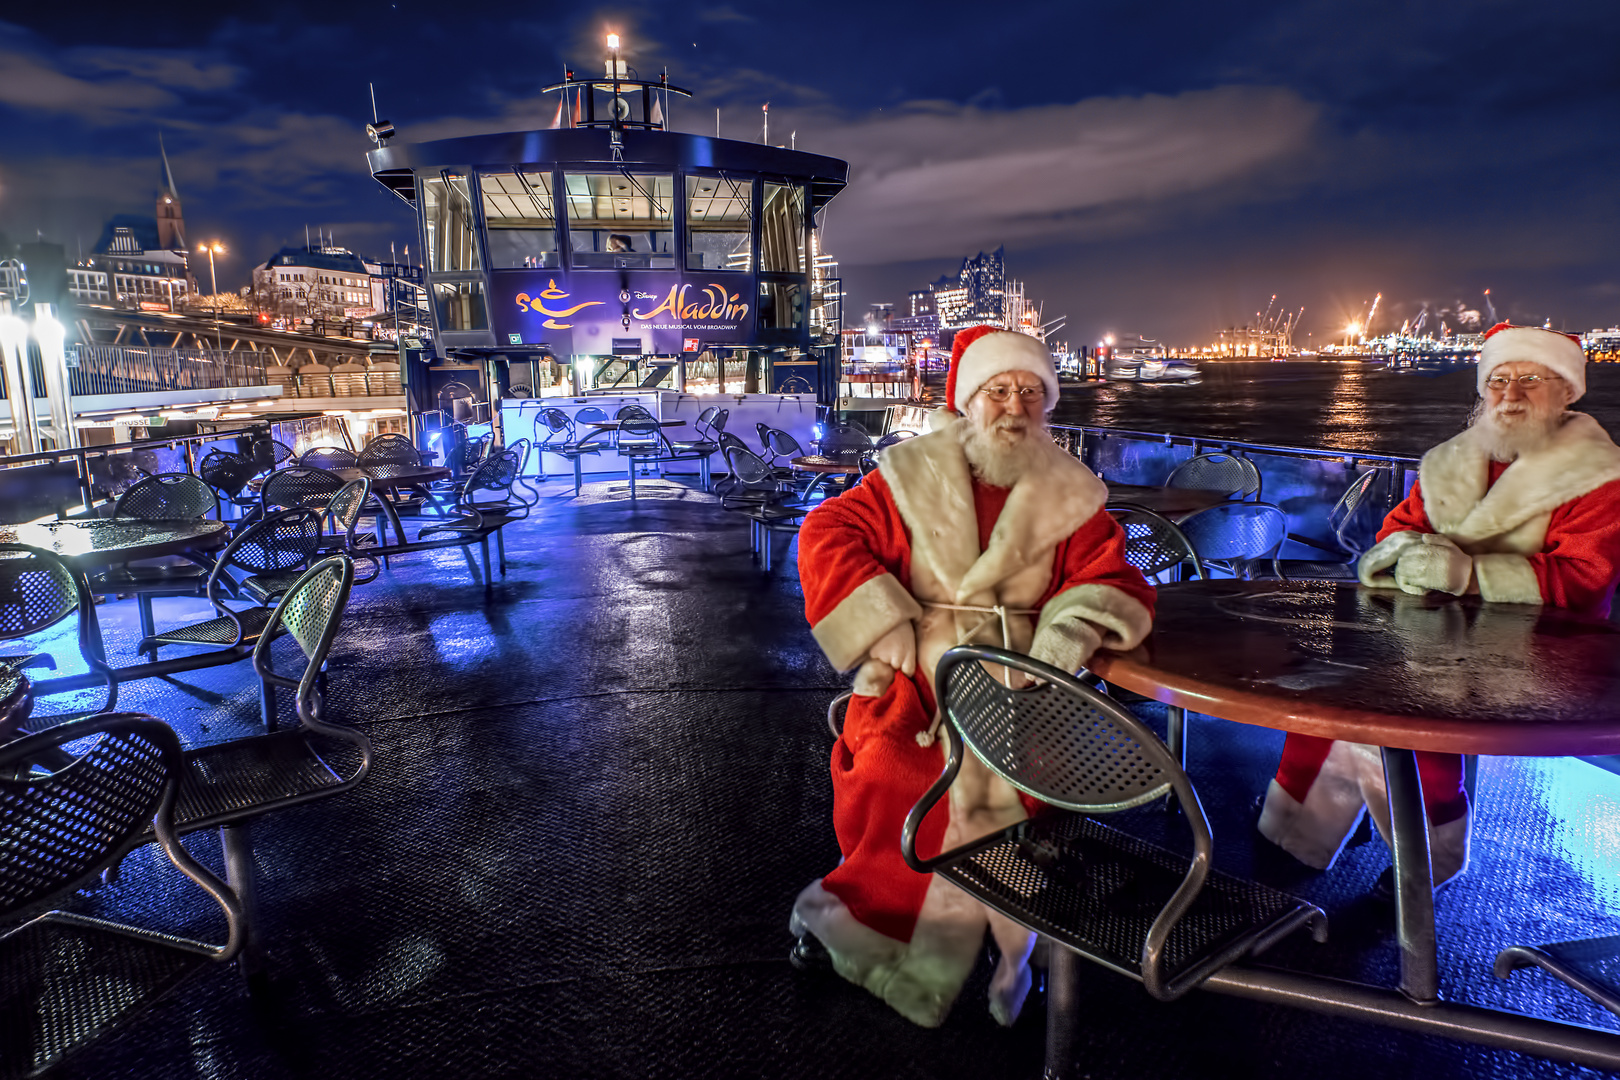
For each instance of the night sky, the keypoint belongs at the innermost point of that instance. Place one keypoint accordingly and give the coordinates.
(1154, 168)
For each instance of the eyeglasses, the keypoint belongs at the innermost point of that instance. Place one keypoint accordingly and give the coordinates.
(1526, 382)
(999, 394)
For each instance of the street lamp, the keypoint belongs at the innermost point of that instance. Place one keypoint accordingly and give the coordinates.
(213, 248)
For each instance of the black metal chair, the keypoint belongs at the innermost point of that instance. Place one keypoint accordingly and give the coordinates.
(330, 457)
(485, 506)
(228, 474)
(893, 437)
(1154, 544)
(845, 442)
(1144, 911)
(164, 497)
(1228, 474)
(389, 449)
(710, 422)
(632, 412)
(226, 785)
(299, 487)
(266, 549)
(65, 817)
(639, 439)
(37, 591)
(759, 494)
(1354, 522)
(1233, 536)
(561, 439)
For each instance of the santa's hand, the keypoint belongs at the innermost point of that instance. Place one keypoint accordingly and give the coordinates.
(1435, 564)
(1067, 643)
(1375, 563)
(897, 648)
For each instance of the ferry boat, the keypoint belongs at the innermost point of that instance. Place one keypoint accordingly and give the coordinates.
(1144, 360)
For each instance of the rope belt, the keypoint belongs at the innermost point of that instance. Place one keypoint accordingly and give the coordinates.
(994, 611)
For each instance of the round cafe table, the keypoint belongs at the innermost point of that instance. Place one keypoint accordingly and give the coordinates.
(823, 467)
(393, 478)
(1173, 503)
(1452, 674)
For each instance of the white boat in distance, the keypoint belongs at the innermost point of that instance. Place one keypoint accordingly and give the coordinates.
(1143, 360)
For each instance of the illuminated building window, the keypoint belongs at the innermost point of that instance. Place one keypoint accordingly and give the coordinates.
(719, 222)
(521, 214)
(621, 219)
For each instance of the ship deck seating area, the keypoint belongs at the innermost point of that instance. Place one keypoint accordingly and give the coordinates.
(597, 790)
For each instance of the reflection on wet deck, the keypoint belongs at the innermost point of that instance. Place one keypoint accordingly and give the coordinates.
(596, 796)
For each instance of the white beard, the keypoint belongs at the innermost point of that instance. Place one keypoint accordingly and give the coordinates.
(1508, 432)
(1002, 454)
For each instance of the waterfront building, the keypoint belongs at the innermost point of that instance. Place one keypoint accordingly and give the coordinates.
(140, 262)
(1602, 344)
(320, 282)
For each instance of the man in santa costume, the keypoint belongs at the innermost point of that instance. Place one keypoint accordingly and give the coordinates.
(1523, 508)
(981, 531)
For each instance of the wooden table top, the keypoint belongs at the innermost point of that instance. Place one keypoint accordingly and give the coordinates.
(1378, 666)
(818, 464)
(91, 543)
(1170, 502)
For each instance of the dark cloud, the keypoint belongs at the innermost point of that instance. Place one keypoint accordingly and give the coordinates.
(1160, 168)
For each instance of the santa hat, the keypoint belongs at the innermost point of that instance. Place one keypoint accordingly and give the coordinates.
(1559, 353)
(980, 353)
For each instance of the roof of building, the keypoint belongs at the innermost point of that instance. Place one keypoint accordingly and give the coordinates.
(144, 228)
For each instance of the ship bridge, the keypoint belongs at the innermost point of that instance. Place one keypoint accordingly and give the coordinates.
(610, 251)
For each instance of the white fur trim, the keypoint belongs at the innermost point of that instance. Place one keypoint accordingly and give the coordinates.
(1552, 350)
(1507, 579)
(1372, 567)
(919, 980)
(1315, 830)
(995, 354)
(1435, 564)
(1076, 621)
(872, 609)
(1580, 458)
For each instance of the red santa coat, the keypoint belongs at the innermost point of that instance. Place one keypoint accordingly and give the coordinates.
(1544, 529)
(918, 533)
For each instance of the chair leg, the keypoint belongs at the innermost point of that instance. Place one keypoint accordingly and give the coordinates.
(267, 706)
(239, 876)
(579, 476)
(1176, 739)
(144, 603)
(489, 582)
(500, 546)
(632, 479)
(1062, 1014)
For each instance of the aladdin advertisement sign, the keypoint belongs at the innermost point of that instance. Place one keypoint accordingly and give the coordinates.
(591, 313)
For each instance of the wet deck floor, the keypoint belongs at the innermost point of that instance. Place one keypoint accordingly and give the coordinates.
(597, 794)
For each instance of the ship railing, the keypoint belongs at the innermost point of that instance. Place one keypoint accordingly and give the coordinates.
(123, 369)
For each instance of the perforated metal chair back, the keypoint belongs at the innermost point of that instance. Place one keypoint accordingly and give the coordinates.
(559, 427)
(784, 446)
(631, 412)
(590, 414)
(1060, 740)
(312, 609)
(1227, 474)
(329, 457)
(494, 475)
(719, 421)
(37, 591)
(59, 829)
(1231, 531)
(639, 434)
(749, 470)
(168, 497)
(300, 485)
(226, 472)
(345, 507)
(1154, 544)
(283, 541)
(1354, 518)
(389, 449)
(729, 442)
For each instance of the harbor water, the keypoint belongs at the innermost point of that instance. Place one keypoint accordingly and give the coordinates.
(1362, 407)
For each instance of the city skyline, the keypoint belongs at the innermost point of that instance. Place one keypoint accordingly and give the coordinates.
(1159, 173)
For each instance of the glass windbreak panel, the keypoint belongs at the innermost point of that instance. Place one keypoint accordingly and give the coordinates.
(621, 219)
(461, 305)
(521, 216)
(781, 229)
(719, 222)
(448, 215)
(781, 305)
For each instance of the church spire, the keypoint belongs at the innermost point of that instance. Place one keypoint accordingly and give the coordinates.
(171, 221)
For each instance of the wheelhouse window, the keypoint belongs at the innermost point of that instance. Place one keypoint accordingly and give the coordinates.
(448, 214)
(520, 213)
(719, 222)
(781, 305)
(621, 219)
(461, 306)
(781, 229)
